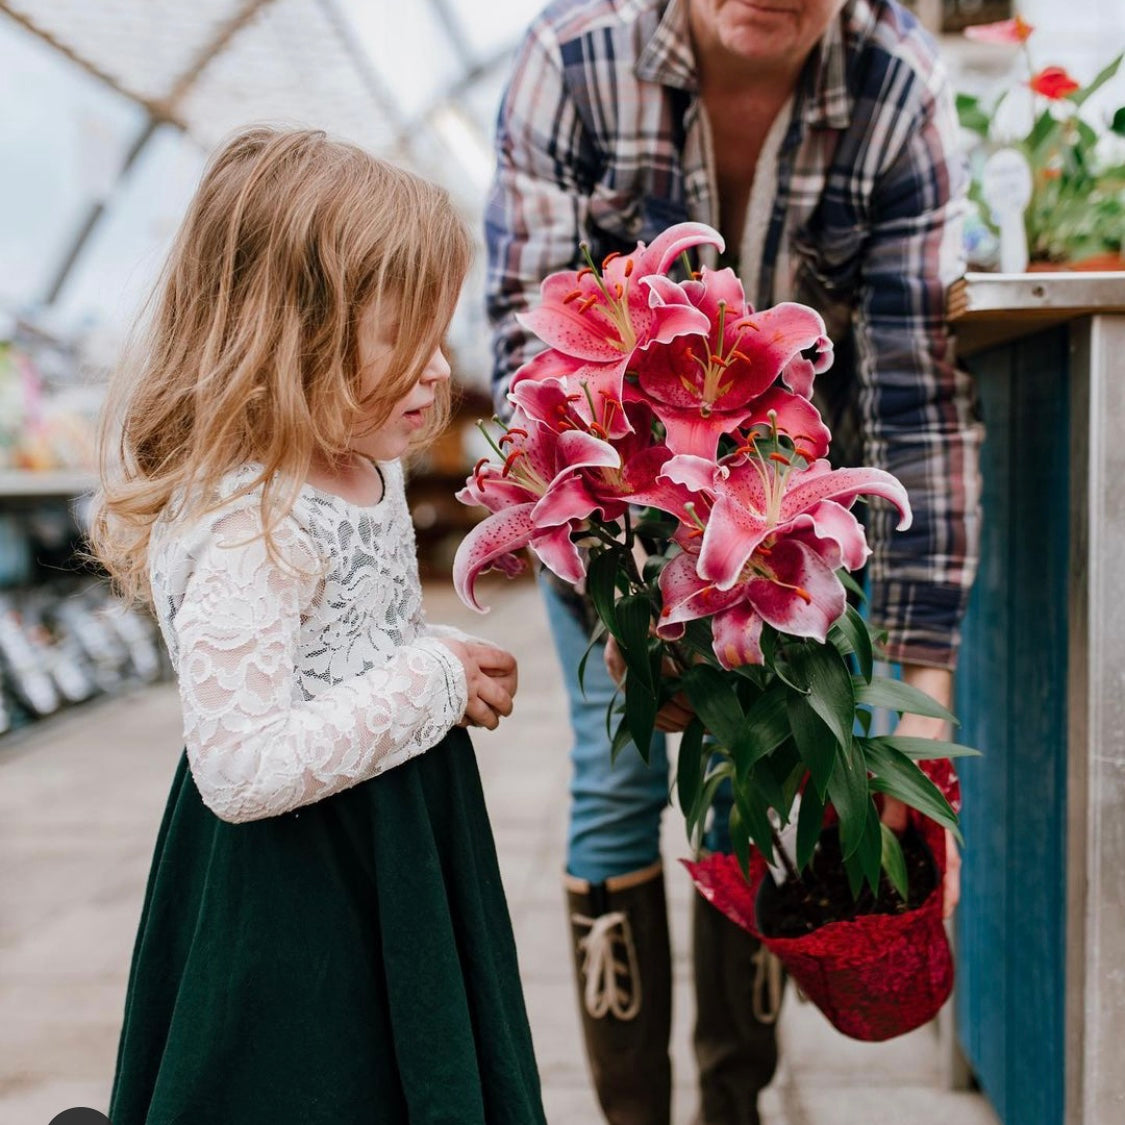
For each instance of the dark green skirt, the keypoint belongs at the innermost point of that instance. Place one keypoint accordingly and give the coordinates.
(349, 962)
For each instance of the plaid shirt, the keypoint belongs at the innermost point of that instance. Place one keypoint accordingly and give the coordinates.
(601, 138)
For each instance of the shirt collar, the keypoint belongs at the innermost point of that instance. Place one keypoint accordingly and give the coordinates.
(668, 59)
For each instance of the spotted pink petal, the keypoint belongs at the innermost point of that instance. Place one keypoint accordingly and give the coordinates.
(695, 473)
(540, 397)
(547, 364)
(667, 246)
(795, 416)
(843, 486)
(775, 337)
(493, 538)
(717, 287)
(736, 636)
(693, 433)
(492, 491)
(808, 612)
(733, 533)
(558, 553)
(588, 335)
(830, 522)
(569, 500)
(686, 596)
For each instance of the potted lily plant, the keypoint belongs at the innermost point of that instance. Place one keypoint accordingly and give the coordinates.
(664, 451)
(1075, 213)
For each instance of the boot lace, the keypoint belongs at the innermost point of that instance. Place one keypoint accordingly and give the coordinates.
(766, 996)
(606, 993)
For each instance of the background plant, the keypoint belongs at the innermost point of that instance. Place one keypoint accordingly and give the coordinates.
(1077, 208)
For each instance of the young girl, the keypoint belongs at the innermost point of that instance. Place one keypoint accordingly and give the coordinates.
(324, 936)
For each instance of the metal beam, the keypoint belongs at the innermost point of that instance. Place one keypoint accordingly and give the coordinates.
(153, 108)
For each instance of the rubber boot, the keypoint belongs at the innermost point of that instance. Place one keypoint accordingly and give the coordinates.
(738, 991)
(623, 969)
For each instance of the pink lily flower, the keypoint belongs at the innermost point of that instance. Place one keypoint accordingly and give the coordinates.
(601, 318)
(603, 489)
(775, 536)
(537, 459)
(702, 385)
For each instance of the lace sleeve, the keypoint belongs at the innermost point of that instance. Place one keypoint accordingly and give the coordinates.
(255, 747)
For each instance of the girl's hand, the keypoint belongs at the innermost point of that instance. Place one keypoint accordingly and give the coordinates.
(491, 677)
(674, 716)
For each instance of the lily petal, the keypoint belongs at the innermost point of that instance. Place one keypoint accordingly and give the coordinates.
(736, 636)
(804, 597)
(733, 533)
(498, 535)
(843, 486)
(686, 596)
(831, 522)
(557, 552)
(667, 246)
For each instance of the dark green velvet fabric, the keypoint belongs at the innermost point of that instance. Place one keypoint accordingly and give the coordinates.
(349, 962)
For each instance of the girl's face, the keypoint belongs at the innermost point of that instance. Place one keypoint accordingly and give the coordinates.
(393, 437)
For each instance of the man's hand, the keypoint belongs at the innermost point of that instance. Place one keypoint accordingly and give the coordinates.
(674, 716)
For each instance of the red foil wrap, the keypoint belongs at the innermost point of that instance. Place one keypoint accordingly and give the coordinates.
(875, 977)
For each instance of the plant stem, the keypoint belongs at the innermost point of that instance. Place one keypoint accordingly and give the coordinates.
(786, 862)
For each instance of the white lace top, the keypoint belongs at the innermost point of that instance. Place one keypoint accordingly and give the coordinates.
(303, 676)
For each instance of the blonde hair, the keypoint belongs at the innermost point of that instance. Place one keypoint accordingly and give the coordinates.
(251, 350)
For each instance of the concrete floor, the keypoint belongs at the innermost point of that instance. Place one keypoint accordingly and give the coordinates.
(80, 801)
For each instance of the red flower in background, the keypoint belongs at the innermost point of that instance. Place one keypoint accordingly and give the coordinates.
(1053, 82)
(1016, 30)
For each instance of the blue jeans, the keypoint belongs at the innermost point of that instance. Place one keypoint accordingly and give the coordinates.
(615, 807)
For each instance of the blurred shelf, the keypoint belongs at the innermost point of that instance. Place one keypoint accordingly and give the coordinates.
(62, 482)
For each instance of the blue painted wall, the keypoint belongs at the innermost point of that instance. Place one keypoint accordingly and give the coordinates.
(1011, 698)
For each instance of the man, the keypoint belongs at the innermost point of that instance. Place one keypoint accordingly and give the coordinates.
(818, 136)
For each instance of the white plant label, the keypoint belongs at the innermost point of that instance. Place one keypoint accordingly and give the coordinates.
(1006, 187)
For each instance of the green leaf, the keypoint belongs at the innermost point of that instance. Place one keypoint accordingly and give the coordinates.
(739, 840)
(1118, 125)
(854, 629)
(640, 714)
(810, 821)
(766, 725)
(706, 797)
(816, 744)
(971, 115)
(870, 849)
(634, 618)
(848, 790)
(755, 815)
(601, 585)
(712, 698)
(690, 766)
(763, 781)
(823, 672)
(900, 696)
(854, 870)
(925, 749)
(850, 584)
(1102, 77)
(897, 775)
(1045, 129)
(621, 739)
(775, 658)
(597, 640)
(893, 862)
